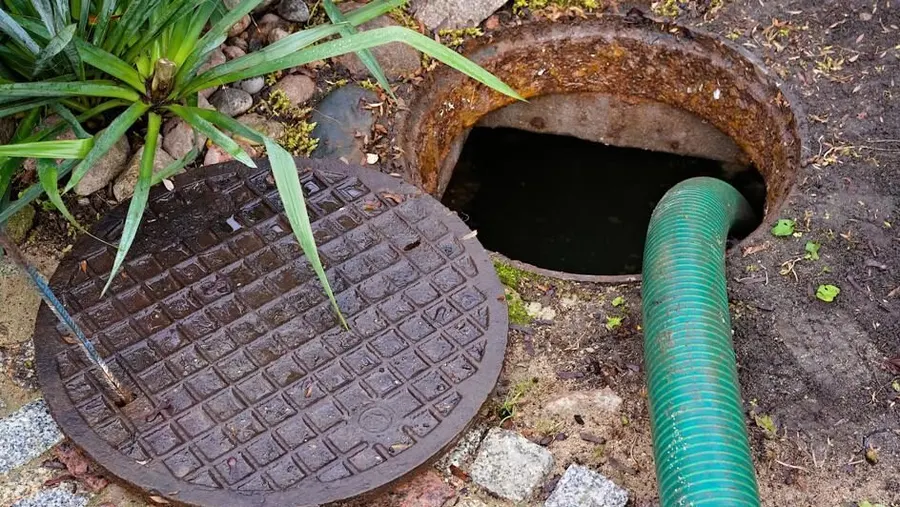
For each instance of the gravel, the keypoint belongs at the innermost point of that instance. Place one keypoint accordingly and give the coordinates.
(26, 434)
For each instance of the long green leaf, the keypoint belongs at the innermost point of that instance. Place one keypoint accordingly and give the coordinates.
(169, 14)
(214, 134)
(84, 12)
(111, 64)
(48, 176)
(53, 48)
(72, 89)
(31, 193)
(67, 149)
(366, 40)
(14, 30)
(133, 17)
(372, 10)
(106, 139)
(289, 188)
(182, 45)
(18, 107)
(139, 200)
(288, 183)
(286, 46)
(46, 13)
(101, 27)
(71, 120)
(212, 39)
(365, 56)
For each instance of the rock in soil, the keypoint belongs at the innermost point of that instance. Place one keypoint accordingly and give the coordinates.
(253, 85)
(582, 487)
(297, 88)
(26, 434)
(510, 466)
(18, 225)
(293, 10)
(106, 169)
(231, 101)
(56, 497)
(598, 405)
(436, 14)
(277, 34)
(178, 138)
(396, 59)
(342, 122)
(233, 52)
(269, 128)
(124, 187)
(216, 58)
(240, 26)
(216, 155)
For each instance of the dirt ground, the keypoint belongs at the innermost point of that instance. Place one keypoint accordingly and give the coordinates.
(823, 373)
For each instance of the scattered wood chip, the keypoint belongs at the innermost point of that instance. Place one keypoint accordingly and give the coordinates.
(754, 249)
(390, 196)
(168, 184)
(872, 263)
(590, 437)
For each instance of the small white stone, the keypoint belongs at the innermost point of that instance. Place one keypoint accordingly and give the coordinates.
(582, 487)
(717, 94)
(371, 158)
(539, 311)
(26, 434)
(510, 466)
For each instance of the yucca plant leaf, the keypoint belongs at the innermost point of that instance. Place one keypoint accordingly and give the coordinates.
(53, 48)
(111, 64)
(84, 13)
(365, 56)
(45, 11)
(214, 134)
(279, 49)
(127, 25)
(212, 39)
(48, 177)
(101, 27)
(291, 192)
(67, 149)
(14, 30)
(106, 139)
(182, 43)
(61, 14)
(168, 15)
(70, 119)
(32, 193)
(366, 40)
(139, 200)
(18, 107)
(71, 89)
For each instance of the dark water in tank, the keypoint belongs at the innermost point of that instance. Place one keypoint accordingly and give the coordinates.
(563, 203)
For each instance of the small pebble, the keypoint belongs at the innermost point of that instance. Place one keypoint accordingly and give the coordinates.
(253, 85)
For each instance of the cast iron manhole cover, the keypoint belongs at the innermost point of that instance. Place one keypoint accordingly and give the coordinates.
(248, 390)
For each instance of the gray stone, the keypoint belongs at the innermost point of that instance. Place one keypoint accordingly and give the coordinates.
(178, 138)
(26, 434)
(56, 497)
(396, 59)
(216, 155)
(253, 85)
(604, 119)
(297, 88)
(339, 117)
(598, 405)
(18, 225)
(454, 13)
(582, 487)
(510, 466)
(124, 186)
(233, 52)
(269, 128)
(231, 101)
(239, 27)
(106, 169)
(277, 34)
(293, 10)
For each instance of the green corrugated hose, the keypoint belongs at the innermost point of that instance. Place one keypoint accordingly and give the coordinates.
(699, 437)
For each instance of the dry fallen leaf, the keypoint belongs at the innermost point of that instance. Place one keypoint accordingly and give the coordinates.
(159, 499)
(83, 266)
(753, 249)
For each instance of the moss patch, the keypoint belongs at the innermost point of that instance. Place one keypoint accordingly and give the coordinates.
(509, 276)
(18, 225)
(298, 138)
(516, 308)
(533, 5)
(454, 38)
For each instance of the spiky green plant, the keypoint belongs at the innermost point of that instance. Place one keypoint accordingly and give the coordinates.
(140, 61)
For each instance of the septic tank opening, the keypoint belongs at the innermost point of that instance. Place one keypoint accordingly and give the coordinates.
(641, 84)
(566, 204)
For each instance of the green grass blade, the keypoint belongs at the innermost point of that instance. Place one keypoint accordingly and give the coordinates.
(365, 56)
(48, 178)
(139, 200)
(30, 194)
(214, 134)
(53, 48)
(111, 64)
(366, 40)
(133, 17)
(106, 139)
(84, 13)
(187, 41)
(71, 89)
(101, 27)
(14, 30)
(289, 188)
(11, 109)
(67, 149)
